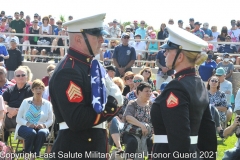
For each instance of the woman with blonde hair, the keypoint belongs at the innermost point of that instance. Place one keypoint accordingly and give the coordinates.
(215, 34)
(29, 73)
(181, 116)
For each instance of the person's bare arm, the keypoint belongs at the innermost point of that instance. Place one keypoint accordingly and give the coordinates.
(231, 129)
(116, 63)
(11, 111)
(229, 74)
(40, 30)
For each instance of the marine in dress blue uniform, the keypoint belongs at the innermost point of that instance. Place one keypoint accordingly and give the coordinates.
(82, 129)
(181, 118)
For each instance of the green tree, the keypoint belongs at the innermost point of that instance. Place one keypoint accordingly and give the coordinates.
(62, 18)
(128, 23)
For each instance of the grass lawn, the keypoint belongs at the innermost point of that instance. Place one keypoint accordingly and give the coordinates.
(222, 146)
(227, 144)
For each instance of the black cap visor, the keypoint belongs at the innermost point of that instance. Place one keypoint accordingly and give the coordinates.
(170, 45)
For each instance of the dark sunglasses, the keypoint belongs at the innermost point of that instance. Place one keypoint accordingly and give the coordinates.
(137, 81)
(19, 75)
(3, 20)
(128, 78)
(112, 42)
(142, 23)
(216, 81)
(147, 71)
(94, 32)
(59, 23)
(126, 37)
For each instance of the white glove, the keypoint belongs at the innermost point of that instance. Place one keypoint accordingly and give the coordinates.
(113, 90)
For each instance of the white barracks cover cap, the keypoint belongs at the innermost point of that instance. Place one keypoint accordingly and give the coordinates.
(91, 24)
(182, 39)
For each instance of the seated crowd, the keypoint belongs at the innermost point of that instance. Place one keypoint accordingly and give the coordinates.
(25, 99)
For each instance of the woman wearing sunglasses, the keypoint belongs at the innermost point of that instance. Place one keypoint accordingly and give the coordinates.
(137, 79)
(147, 74)
(128, 81)
(217, 99)
(181, 116)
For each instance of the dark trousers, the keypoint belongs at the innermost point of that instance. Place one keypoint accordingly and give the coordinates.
(9, 123)
(82, 142)
(132, 144)
(34, 139)
(118, 74)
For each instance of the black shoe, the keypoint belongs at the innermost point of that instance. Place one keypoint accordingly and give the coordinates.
(28, 59)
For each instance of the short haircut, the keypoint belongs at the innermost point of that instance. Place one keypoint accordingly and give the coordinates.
(4, 69)
(50, 68)
(37, 83)
(143, 85)
(21, 68)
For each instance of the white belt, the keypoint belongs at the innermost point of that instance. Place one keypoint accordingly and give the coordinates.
(164, 139)
(63, 125)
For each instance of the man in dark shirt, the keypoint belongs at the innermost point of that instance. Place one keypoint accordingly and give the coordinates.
(19, 25)
(15, 59)
(163, 74)
(13, 98)
(124, 56)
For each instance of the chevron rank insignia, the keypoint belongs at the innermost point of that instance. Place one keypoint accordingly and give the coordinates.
(172, 101)
(74, 93)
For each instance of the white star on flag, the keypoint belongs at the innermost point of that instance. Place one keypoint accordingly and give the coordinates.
(95, 100)
(93, 79)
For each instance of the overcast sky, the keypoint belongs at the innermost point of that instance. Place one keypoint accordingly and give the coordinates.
(154, 12)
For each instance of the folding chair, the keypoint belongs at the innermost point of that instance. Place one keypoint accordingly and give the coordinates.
(50, 139)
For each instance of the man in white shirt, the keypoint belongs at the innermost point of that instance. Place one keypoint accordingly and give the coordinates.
(139, 45)
(226, 87)
(115, 31)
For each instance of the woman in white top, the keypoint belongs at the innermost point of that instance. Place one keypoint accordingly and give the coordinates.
(45, 26)
(215, 37)
(34, 117)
